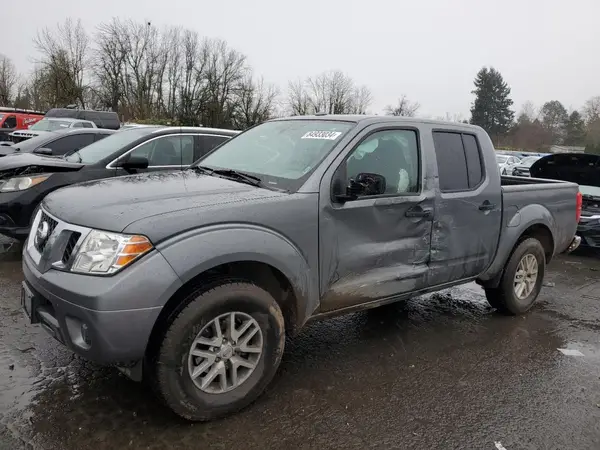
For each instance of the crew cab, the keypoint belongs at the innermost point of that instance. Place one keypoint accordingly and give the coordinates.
(27, 178)
(193, 279)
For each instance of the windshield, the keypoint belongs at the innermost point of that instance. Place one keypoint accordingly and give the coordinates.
(50, 125)
(501, 159)
(529, 160)
(593, 191)
(104, 148)
(281, 153)
(31, 144)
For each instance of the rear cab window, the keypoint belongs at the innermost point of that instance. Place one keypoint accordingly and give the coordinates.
(459, 161)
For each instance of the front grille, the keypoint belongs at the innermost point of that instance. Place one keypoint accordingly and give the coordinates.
(71, 243)
(44, 232)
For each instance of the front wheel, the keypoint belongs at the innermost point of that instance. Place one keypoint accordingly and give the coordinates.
(221, 351)
(521, 281)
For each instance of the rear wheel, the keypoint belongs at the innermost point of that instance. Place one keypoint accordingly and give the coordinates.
(521, 281)
(218, 355)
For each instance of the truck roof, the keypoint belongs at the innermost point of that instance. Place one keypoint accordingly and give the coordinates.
(372, 119)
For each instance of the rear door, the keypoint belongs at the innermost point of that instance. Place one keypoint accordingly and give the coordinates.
(468, 209)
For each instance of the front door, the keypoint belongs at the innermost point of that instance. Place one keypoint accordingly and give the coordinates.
(167, 152)
(376, 246)
(468, 209)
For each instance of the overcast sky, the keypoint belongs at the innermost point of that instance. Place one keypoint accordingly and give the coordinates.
(429, 50)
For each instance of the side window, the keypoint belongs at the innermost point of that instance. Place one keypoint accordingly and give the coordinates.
(391, 153)
(10, 122)
(173, 150)
(70, 143)
(99, 136)
(458, 160)
(78, 125)
(473, 156)
(87, 125)
(208, 143)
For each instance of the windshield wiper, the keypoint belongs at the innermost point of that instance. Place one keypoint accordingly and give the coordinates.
(202, 169)
(231, 174)
(239, 176)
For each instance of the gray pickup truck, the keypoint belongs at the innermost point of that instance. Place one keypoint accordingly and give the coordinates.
(193, 279)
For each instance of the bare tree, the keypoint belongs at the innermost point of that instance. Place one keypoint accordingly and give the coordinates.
(404, 107)
(109, 63)
(225, 72)
(528, 111)
(64, 61)
(298, 99)
(591, 110)
(255, 103)
(329, 92)
(8, 80)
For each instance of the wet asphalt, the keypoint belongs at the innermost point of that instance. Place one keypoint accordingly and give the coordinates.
(439, 372)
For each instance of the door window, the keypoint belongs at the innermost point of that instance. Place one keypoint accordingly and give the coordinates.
(391, 153)
(69, 143)
(208, 143)
(10, 122)
(459, 161)
(173, 150)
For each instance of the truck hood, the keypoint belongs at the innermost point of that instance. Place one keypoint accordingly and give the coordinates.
(113, 204)
(580, 168)
(34, 163)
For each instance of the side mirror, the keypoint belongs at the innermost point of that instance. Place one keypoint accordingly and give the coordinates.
(364, 184)
(43, 151)
(134, 162)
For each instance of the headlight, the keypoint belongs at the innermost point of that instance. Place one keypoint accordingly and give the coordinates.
(106, 253)
(22, 183)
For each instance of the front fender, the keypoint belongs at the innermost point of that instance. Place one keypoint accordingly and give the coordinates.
(197, 251)
(512, 230)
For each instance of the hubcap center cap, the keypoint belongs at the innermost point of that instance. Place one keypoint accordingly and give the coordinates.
(226, 351)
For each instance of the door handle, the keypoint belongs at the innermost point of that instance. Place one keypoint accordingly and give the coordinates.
(419, 212)
(486, 206)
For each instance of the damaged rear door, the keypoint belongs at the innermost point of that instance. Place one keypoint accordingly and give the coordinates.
(468, 208)
(375, 246)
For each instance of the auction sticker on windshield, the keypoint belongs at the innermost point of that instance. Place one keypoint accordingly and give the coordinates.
(327, 135)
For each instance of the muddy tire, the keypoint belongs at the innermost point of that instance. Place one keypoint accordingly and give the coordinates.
(519, 287)
(205, 367)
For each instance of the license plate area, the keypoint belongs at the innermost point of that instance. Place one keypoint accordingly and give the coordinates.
(29, 303)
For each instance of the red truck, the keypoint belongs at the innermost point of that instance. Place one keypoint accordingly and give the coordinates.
(12, 119)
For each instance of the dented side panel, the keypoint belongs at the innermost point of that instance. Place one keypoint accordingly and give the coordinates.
(369, 249)
(465, 237)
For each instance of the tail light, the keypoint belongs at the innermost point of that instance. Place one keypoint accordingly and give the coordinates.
(578, 206)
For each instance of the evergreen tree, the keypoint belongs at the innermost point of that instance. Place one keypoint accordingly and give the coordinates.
(575, 129)
(554, 119)
(491, 109)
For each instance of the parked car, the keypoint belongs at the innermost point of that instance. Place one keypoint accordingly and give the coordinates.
(522, 168)
(506, 163)
(25, 180)
(102, 119)
(12, 119)
(294, 219)
(583, 169)
(57, 143)
(48, 125)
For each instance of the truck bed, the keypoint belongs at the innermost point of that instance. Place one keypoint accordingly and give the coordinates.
(523, 198)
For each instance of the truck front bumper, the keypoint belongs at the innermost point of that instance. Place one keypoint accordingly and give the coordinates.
(79, 310)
